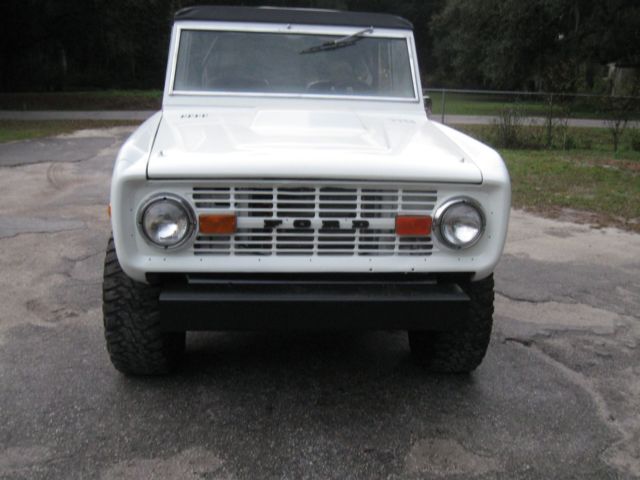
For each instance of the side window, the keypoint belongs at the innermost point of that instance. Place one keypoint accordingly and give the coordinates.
(184, 70)
(393, 76)
(385, 80)
(194, 58)
(401, 76)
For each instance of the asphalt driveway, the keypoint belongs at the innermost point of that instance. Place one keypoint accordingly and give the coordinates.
(558, 395)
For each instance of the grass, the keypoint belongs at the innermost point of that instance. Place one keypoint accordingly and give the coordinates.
(548, 182)
(98, 100)
(11, 130)
(492, 104)
(475, 104)
(597, 185)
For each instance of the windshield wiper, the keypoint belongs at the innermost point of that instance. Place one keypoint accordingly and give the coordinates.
(340, 43)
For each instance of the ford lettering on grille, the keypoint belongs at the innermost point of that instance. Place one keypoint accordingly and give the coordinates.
(313, 220)
(318, 224)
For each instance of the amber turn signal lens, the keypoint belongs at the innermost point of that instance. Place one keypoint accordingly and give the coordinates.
(413, 226)
(218, 224)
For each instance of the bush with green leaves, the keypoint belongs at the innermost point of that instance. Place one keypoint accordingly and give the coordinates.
(635, 140)
(510, 130)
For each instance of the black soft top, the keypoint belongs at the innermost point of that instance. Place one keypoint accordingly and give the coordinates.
(293, 16)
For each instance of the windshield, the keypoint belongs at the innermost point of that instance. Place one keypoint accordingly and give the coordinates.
(296, 64)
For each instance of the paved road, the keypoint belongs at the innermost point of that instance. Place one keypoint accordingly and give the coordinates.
(557, 397)
(143, 115)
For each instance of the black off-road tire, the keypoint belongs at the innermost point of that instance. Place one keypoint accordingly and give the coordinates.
(131, 312)
(462, 350)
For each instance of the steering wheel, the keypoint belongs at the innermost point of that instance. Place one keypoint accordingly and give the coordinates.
(237, 83)
(329, 86)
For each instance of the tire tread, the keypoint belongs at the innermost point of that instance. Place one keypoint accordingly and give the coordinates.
(131, 315)
(462, 350)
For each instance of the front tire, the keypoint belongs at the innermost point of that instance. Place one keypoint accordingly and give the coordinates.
(461, 350)
(131, 311)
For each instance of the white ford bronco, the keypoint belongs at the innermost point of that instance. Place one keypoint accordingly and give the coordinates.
(293, 180)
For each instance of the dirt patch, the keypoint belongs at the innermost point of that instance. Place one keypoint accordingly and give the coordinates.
(595, 220)
(442, 457)
(192, 463)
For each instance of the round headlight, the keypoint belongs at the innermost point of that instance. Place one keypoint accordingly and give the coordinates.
(459, 223)
(166, 221)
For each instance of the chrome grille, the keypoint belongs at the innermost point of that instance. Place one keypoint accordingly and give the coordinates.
(314, 220)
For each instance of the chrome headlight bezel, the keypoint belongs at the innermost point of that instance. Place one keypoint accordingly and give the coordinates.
(442, 210)
(176, 200)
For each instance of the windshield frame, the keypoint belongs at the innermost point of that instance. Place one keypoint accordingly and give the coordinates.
(179, 27)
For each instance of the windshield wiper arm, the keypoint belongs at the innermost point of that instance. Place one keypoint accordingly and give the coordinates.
(340, 43)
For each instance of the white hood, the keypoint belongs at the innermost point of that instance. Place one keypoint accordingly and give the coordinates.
(257, 143)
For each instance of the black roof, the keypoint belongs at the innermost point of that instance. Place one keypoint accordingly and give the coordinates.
(293, 16)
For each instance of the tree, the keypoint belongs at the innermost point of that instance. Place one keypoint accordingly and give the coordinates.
(534, 44)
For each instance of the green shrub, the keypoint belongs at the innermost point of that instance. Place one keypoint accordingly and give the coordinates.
(510, 131)
(635, 140)
(569, 143)
(507, 129)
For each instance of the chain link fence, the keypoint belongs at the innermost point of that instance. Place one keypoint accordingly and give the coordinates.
(548, 111)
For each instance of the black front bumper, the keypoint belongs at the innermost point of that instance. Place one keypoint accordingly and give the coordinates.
(328, 302)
